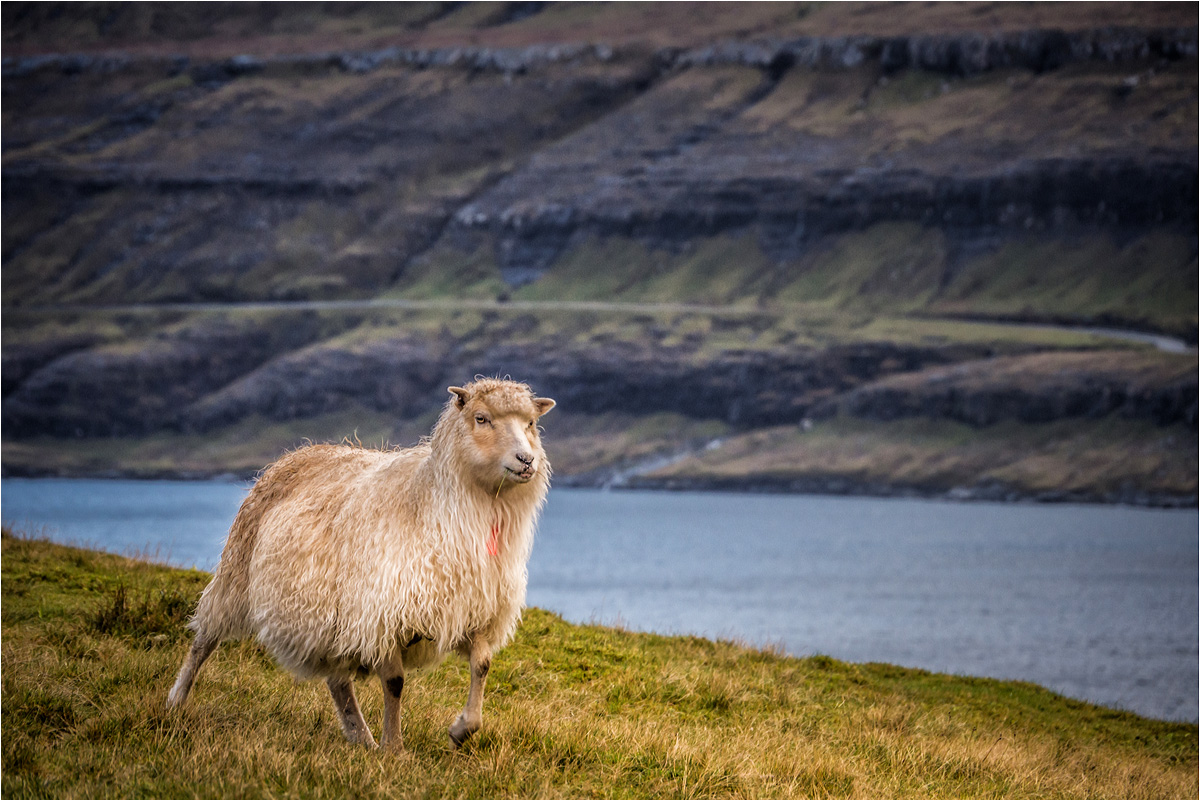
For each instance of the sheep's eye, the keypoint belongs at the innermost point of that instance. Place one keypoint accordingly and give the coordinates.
(479, 418)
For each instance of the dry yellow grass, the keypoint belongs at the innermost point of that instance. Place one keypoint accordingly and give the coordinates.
(572, 711)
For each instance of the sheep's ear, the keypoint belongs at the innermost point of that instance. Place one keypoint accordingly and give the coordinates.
(461, 400)
(543, 405)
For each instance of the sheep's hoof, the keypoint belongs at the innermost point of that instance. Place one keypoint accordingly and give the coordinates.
(361, 738)
(460, 732)
(176, 697)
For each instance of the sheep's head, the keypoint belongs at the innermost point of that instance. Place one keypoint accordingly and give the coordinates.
(497, 427)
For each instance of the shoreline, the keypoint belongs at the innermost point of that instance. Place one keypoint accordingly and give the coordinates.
(832, 485)
(845, 487)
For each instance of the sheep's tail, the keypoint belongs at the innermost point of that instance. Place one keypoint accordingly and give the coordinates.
(223, 612)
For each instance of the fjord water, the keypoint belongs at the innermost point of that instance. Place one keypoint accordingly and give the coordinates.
(1096, 602)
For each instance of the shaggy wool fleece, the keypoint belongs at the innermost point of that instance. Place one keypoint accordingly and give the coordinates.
(341, 555)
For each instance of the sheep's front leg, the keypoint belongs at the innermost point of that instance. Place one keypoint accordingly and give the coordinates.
(467, 723)
(392, 679)
(353, 725)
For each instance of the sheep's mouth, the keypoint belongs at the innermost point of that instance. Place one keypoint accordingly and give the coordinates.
(521, 476)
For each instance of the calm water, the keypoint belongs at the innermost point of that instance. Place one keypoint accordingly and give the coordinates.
(1095, 602)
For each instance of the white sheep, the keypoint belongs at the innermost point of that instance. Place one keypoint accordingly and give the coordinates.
(344, 559)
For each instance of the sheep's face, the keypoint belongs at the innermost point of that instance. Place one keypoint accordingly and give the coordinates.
(499, 421)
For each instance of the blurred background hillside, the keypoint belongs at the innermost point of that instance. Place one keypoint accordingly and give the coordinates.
(846, 247)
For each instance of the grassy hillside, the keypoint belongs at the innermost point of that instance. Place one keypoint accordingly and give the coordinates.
(855, 189)
(91, 643)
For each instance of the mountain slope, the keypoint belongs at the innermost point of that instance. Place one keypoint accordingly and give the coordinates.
(845, 181)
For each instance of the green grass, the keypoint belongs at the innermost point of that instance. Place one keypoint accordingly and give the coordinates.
(92, 642)
(887, 270)
(1005, 338)
(450, 272)
(1151, 280)
(713, 270)
(892, 266)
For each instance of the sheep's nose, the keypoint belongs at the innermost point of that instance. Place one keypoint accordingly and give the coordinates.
(525, 459)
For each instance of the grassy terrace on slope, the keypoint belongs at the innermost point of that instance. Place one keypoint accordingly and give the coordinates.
(887, 269)
(91, 643)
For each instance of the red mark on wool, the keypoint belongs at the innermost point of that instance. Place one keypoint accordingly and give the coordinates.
(493, 541)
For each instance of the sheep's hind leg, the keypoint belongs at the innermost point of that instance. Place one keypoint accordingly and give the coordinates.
(392, 679)
(353, 725)
(467, 723)
(201, 648)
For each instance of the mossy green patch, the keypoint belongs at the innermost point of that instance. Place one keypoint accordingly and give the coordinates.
(1151, 279)
(892, 266)
(597, 270)
(447, 271)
